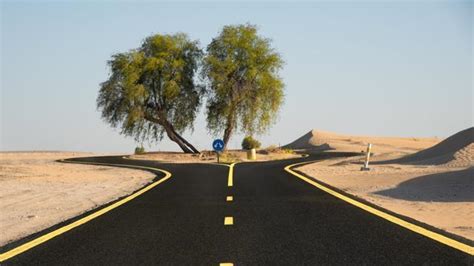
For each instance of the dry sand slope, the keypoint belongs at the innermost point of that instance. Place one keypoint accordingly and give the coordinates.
(433, 184)
(455, 151)
(36, 192)
(389, 147)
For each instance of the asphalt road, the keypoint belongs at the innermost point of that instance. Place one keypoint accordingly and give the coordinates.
(278, 219)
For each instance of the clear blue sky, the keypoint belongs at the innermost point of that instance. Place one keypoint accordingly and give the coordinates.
(397, 69)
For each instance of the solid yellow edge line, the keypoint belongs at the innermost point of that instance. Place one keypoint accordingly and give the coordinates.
(230, 178)
(37, 241)
(415, 228)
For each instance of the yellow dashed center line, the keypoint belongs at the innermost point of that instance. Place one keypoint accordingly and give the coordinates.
(228, 220)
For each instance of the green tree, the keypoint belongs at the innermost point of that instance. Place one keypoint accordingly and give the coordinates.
(151, 90)
(245, 89)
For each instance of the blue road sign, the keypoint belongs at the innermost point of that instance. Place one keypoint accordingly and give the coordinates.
(218, 145)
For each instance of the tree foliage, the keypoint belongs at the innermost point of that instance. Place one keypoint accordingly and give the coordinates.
(245, 89)
(151, 90)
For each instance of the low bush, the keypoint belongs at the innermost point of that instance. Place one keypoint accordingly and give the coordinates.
(249, 143)
(289, 151)
(139, 150)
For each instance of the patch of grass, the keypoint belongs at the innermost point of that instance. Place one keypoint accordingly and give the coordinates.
(288, 151)
(229, 157)
(276, 149)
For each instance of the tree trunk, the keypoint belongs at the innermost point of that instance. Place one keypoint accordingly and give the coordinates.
(189, 145)
(228, 130)
(174, 136)
(227, 134)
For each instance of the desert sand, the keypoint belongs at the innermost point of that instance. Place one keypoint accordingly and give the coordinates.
(391, 147)
(36, 192)
(433, 185)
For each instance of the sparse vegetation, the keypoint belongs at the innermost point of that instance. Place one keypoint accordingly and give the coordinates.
(272, 148)
(140, 150)
(276, 149)
(289, 151)
(249, 143)
(229, 157)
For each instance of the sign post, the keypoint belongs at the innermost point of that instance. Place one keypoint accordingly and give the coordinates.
(367, 157)
(218, 146)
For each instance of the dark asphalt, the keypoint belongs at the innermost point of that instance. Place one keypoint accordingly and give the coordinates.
(278, 220)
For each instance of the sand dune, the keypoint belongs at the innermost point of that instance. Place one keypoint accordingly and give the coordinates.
(455, 151)
(319, 140)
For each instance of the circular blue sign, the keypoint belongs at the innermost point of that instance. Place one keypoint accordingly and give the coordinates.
(218, 145)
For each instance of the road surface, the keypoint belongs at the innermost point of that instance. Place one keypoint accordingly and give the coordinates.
(273, 218)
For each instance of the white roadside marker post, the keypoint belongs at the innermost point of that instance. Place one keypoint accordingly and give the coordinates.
(252, 154)
(367, 158)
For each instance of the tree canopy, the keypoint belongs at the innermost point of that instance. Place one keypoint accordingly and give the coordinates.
(245, 89)
(151, 90)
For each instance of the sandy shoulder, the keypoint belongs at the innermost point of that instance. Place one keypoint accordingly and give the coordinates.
(36, 192)
(437, 195)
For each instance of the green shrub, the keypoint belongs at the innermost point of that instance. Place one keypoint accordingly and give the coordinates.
(250, 143)
(289, 151)
(139, 150)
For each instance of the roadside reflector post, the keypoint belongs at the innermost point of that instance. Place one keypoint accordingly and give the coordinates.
(252, 154)
(367, 158)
